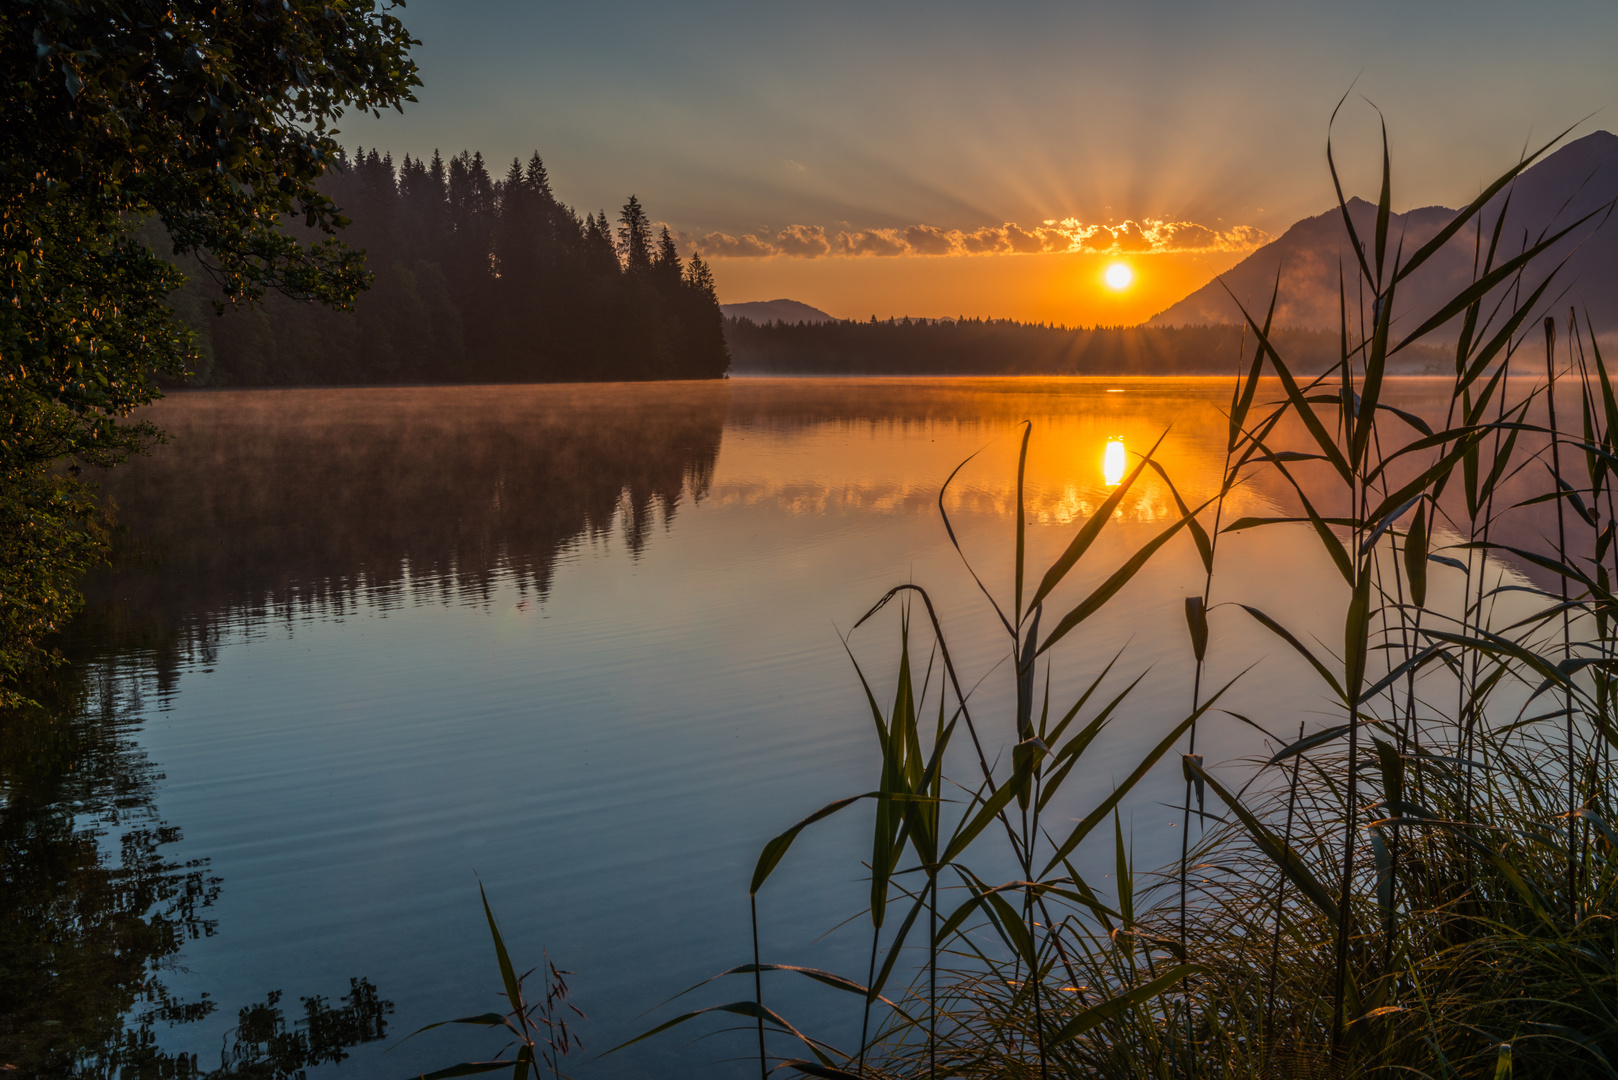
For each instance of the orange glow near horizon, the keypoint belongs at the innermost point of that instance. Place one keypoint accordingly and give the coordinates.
(1065, 288)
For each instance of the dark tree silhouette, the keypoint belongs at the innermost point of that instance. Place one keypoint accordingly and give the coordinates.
(666, 262)
(635, 237)
(477, 280)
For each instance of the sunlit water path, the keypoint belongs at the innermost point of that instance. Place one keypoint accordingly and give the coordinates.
(585, 642)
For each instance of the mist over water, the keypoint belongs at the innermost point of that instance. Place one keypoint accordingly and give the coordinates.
(584, 641)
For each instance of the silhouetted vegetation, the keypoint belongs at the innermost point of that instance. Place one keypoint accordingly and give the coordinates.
(1423, 885)
(1006, 347)
(476, 279)
(211, 126)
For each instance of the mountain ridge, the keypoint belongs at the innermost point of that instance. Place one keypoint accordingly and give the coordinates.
(1552, 194)
(772, 311)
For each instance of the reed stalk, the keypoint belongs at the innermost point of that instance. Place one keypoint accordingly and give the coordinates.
(1411, 890)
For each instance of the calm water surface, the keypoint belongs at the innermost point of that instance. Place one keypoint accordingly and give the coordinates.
(585, 644)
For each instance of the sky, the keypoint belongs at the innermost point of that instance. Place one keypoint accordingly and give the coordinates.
(994, 159)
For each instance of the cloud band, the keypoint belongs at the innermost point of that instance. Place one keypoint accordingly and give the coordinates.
(1147, 236)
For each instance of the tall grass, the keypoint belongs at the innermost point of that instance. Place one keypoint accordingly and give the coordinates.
(1425, 886)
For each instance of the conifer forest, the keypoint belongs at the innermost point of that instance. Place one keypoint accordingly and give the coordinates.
(475, 280)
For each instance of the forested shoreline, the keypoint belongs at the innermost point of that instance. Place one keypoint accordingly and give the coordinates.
(475, 279)
(1007, 347)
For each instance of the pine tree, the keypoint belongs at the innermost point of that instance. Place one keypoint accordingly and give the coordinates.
(600, 255)
(487, 280)
(439, 177)
(539, 181)
(635, 237)
(699, 278)
(667, 261)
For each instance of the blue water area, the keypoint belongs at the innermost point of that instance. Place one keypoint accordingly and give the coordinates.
(363, 649)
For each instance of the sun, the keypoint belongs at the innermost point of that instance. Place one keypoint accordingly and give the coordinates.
(1119, 277)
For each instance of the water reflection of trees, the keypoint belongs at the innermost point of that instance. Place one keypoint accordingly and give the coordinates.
(268, 505)
(94, 907)
(273, 503)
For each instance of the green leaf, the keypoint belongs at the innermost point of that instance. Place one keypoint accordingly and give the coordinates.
(1196, 620)
(812, 1068)
(1489, 281)
(1383, 862)
(831, 979)
(1473, 208)
(750, 1009)
(969, 829)
(1328, 539)
(1303, 650)
(1275, 849)
(1126, 879)
(1356, 638)
(508, 974)
(1113, 1007)
(1415, 556)
(1009, 923)
(773, 851)
(1317, 431)
(1100, 813)
(956, 544)
(481, 1020)
(1109, 588)
(467, 1068)
(895, 947)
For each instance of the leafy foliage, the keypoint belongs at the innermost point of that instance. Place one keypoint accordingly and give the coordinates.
(216, 122)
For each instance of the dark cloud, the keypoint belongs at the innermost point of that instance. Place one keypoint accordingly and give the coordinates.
(872, 242)
(1024, 243)
(926, 240)
(986, 241)
(795, 241)
(1186, 236)
(1131, 239)
(723, 246)
(1059, 235)
(803, 241)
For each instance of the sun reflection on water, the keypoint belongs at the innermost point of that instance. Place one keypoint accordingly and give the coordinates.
(1113, 462)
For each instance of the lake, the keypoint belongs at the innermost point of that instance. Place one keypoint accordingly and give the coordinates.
(361, 649)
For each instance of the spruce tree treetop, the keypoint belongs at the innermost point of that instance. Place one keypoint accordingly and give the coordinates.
(667, 260)
(635, 236)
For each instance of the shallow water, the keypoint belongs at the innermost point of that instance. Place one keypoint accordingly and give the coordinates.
(584, 642)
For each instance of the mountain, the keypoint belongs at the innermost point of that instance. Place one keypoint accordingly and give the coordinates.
(1547, 197)
(764, 312)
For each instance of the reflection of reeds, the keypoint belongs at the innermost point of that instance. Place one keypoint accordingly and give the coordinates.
(1426, 886)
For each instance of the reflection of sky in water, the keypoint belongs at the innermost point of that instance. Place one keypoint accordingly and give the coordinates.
(585, 641)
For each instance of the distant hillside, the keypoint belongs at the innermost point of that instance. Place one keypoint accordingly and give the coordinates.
(1003, 347)
(769, 311)
(1554, 193)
